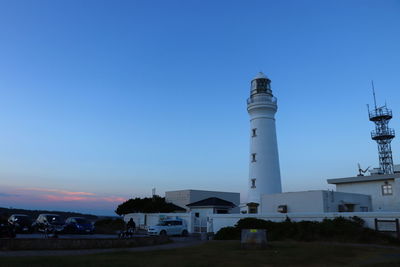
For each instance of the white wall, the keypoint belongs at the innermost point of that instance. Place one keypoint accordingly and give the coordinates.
(374, 189)
(203, 212)
(313, 201)
(218, 221)
(307, 201)
(333, 199)
(180, 198)
(223, 220)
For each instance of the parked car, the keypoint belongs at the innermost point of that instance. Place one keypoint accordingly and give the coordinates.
(48, 223)
(22, 223)
(169, 227)
(6, 230)
(78, 225)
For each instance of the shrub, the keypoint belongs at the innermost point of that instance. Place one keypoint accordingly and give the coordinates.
(228, 233)
(338, 229)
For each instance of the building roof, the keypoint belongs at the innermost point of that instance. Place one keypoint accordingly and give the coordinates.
(360, 179)
(198, 190)
(211, 201)
(176, 207)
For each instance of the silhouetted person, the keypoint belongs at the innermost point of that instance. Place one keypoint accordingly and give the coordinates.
(131, 226)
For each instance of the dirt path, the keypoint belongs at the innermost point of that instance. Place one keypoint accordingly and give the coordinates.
(33, 253)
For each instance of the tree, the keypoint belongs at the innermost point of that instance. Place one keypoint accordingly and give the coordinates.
(154, 204)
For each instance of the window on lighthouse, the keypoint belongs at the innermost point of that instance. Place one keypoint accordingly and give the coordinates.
(253, 183)
(253, 157)
(254, 132)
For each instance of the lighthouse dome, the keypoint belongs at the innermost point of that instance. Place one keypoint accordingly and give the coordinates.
(260, 75)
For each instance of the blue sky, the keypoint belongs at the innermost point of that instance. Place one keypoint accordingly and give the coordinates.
(112, 98)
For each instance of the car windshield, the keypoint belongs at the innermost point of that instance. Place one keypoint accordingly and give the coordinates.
(164, 223)
(22, 219)
(53, 219)
(81, 221)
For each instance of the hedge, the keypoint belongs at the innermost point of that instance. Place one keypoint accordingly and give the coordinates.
(337, 230)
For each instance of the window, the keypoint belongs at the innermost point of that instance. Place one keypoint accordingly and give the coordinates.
(253, 157)
(346, 207)
(254, 132)
(222, 211)
(253, 183)
(253, 207)
(387, 189)
(282, 208)
(253, 210)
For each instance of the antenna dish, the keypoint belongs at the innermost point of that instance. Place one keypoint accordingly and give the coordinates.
(361, 172)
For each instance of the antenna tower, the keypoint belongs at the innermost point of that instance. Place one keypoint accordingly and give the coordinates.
(382, 134)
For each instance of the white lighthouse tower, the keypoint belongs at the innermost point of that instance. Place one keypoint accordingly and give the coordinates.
(264, 172)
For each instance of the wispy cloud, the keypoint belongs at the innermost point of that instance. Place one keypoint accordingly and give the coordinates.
(53, 198)
(113, 199)
(63, 192)
(67, 198)
(83, 198)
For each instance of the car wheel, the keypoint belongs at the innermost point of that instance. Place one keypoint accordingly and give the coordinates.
(184, 233)
(163, 233)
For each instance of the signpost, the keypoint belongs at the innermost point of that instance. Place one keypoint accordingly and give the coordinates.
(388, 226)
(254, 238)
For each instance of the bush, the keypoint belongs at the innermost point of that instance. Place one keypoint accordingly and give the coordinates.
(228, 233)
(109, 226)
(338, 230)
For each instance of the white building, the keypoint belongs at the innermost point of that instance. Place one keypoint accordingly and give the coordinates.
(315, 201)
(184, 197)
(264, 172)
(212, 205)
(383, 189)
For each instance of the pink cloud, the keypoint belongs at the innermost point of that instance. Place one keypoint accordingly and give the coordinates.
(64, 192)
(49, 198)
(114, 199)
(66, 198)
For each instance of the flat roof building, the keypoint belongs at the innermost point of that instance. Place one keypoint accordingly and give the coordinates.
(384, 189)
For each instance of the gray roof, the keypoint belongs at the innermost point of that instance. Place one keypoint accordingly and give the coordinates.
(360, 179)
(212, 201)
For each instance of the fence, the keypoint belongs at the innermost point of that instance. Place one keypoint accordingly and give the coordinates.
(214, 222)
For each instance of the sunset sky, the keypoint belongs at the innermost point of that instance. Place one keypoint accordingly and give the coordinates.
(101, 101)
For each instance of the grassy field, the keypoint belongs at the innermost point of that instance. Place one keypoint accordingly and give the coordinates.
(227, 254)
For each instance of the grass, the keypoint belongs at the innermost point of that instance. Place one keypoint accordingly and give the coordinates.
(227, 254)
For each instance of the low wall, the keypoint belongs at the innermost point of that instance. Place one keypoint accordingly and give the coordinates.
(50, 244)
(223, 220)
(151, 219)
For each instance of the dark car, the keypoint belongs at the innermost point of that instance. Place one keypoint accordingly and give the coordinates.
(22, 223)
(48, 223)
(78, 225)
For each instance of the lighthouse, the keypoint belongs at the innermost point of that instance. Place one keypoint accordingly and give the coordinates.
(264, 172)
